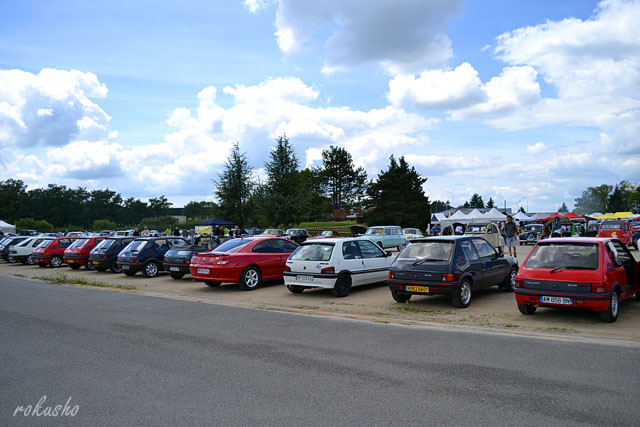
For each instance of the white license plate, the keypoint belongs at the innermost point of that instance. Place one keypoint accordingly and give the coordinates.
(304, 277)
(556, 300)
(175, 269)
(125, 267)
(203, 271)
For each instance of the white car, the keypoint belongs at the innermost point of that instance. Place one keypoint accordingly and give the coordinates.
(22, 251)
(336, 264)
(412, 233)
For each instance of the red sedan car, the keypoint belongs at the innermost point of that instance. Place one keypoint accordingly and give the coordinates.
(581, 272)
(245, 261)
(77, 254)
(618, 228)
(51, 251)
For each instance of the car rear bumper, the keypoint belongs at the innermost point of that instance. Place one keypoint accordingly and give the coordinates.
(106, 263)
(75, 260)
(326, 281)
(212, 273)
(131, 266)
(176, 268)
(595, 301)
(426, 288)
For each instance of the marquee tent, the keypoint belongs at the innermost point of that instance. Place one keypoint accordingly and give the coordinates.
(206, 226)
(476, 217)
(436, 218)
(5, 227)
(494, 215)
(458, 217)
(521, 216)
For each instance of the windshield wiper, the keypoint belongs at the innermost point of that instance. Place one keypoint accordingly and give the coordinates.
(423, 260)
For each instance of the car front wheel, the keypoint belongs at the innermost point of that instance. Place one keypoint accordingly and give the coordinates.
(612, 312)
(30, 260)
(461, 298)
(56, 261)
(250, 279)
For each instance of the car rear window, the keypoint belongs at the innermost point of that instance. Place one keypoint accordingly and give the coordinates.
(570, 256)
(45, 243)
(105, 244)
(231, 245)
(611, 225)
(313, 252)
(427, 251)
(135, 246)
(78, 243)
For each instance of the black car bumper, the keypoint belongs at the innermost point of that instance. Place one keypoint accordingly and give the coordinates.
(405, 287)
(101, 263)
(176, 268)
(133, 267)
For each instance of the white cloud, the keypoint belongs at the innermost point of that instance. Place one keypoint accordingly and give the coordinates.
(254, 6)
(537, 148)
(405, 38)
(50, 108)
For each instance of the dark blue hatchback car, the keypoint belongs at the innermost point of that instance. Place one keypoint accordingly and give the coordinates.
(146, 254)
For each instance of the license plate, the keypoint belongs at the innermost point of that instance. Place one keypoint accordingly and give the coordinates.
(424, 289)
(70, 261)
(304, 277)
(96, 262)
(125, 267)
(556, 300)
(175, 269)
(203, 270)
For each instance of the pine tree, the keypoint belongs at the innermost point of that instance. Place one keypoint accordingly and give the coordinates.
(490, 203)
(234, 187)
(476, 201)
(340, 180)
(282, 199)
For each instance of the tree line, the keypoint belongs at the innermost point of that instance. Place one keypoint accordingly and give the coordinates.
(621, 197)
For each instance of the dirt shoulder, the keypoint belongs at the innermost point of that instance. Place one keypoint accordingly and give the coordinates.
(490, 310)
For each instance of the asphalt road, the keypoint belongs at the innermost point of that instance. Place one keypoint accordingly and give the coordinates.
(138, 360)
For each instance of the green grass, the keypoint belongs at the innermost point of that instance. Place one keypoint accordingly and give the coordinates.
(511, 325)
(62, 279)
(555, 329)
(305, 307)
(413, 309)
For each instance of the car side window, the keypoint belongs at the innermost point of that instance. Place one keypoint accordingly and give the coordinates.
(350, 250)
(63, 243)
(623, 256)
(265, 247)
(283, 246)
(370, 250)
(485, 250)
(469, 250)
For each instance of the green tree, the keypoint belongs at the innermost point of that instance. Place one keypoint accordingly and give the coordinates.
(593, 199)
(282, 186)
(26, 224)
(44, 226)
(439, 206)
(617, 200)
(476, 201)
(103, 224)
(13, 200)
(313, 204)
(234, 187)
(159, 206)
(563, 208)
(397, 197)
(491, 203)
(200, 210)
(522, 210)
(103, 204)
(159, 223)
(340, 181)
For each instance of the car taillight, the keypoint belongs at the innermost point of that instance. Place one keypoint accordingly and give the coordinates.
(103, 256)
(597, 287)
(328, 270)
(186, 261)
(136, 259)
(390, 274)
(447, 277)
(519, 283)
(287, 268)
(222, 261)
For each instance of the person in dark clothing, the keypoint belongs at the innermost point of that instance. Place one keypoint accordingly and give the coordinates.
(136, 232)
(510, 232)
(176, 232)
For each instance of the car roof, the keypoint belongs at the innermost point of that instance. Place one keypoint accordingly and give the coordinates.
(577, 240)
(384, 226)
(334, 240)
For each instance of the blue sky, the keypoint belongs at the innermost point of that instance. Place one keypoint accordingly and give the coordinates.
(528, 102)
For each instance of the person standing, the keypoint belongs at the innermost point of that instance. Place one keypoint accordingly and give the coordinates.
(176, 232)
(146, 232)
(510, 231)
(136, 232)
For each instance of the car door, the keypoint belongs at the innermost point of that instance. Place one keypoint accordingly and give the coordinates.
(628, 263)
(352, 261)
(284, 250)
(474, 263)
(375, 262)
(493, 268)
(267, 256)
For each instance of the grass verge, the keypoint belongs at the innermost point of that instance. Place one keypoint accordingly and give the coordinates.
(63, 279)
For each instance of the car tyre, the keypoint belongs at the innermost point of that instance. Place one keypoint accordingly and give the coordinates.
(101, 269)
(509, 282)
(115, 267)
(614, 307)
(461, 298)
(75, 266)
(400, 297)
(129, 273)
(342, 287)
(250, 279)
(151, 269)
(29, 260)
(89, 266)
(176, 275)
(527, 308)
(295, 289)
(55, 261)
(212, 284)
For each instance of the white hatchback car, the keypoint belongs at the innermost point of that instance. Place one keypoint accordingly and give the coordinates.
(336, 264)
(22, 251)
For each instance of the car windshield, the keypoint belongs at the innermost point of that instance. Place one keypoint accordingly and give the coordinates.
(24, 242)
(292, 230)
(78, 243)
(179, 252)
(135, 246)
(327, 233)
(231, 245)
(45, 243)
(611, 225)
(313, 252)
(374, 230)
(105, 244)
(411, 231)
(570, 256)
(427, 251)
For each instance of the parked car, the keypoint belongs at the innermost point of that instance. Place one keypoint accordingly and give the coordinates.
(4, 246)
(22, 251)
(635, 232)
(298, 235)
(77, 254)
(246, 262)
(51, 251)
(336, 264)
(588, 273)
(619, 229)
(124, 233)
(412, 233)
(450, 265)
(272, 232)
(105, 255)
(386, 236)
(327, 234)
(530, 234)
(146, 254)
(489, 232)
(177, 259)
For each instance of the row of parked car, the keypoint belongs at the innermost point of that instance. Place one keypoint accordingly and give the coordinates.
(580, 272)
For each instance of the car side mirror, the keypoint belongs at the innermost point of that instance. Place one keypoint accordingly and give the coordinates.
(387, 254)
(499, 253)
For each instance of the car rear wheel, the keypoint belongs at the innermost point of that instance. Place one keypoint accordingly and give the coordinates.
(176, 275)
(75, 266)
(527, 308)
(129, 273)
(509, 283)
(12, 260)
(101, 269)
(89, 266)
(295, 289)
(30, 260)
(115, 268)
(400, 297)
(55, 261)
(250, 279)
(150, 269)
(461, 298)
(212, 284)
(342, 288)
(612, 312)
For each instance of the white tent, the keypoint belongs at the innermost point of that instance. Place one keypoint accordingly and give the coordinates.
(436, 218)
(494, 215)
(459, 216)
(521, 216)
(5, 227)
(476, 217)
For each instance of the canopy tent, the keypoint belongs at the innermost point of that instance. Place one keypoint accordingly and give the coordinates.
(436, 218)
(476, 217)
(571, 215)
(494, 215)
(538, 216)
(5, 227)
(521, 216)
(206, 226)
(617, 215)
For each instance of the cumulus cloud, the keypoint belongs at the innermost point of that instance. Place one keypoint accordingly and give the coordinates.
(50, 108)
(254, 6)
(537, 148)
(404, 38)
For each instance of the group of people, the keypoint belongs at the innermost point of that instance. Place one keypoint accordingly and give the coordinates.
(147, 233)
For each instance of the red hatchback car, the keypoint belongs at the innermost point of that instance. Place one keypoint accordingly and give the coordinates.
(77, 254)
(581, 272)
(51, 251)
(617, 228)
(245, 261)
